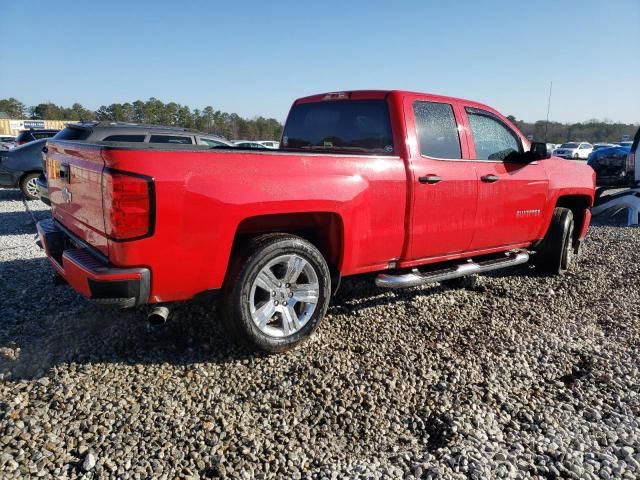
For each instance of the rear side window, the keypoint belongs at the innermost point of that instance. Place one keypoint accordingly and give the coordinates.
(175, 139)
(72, 133)
(355, 126)
(437, 130)
(492, 138)
(125, 138)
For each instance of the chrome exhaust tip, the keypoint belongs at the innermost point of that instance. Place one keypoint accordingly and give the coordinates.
(158, 316)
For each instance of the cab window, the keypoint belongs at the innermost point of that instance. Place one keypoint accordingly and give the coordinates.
(350, 126)
(492, 138)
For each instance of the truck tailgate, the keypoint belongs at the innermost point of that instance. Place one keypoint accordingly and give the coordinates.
(74, 174)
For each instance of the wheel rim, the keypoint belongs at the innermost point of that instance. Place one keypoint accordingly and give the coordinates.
(32, 187)
(284, 296)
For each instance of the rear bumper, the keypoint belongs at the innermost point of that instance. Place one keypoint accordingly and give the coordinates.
(88, 274)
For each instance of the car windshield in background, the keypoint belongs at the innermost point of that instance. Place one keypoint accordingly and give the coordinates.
(346, 125)
(569, 145)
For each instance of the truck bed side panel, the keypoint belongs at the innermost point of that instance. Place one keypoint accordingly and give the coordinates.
(202, 197)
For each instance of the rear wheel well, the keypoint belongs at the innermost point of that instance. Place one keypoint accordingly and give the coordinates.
(578, 204)
(323, 229)
(24, 174)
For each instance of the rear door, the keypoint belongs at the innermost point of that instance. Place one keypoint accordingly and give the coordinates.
(511, 193)
(444, 187)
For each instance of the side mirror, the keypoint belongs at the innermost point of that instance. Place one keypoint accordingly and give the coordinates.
(539, 151)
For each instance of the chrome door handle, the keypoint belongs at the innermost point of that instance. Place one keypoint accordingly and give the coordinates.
(430, 179)
(489, 178)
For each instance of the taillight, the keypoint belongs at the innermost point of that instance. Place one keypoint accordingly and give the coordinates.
(128, 205)
(631, 162)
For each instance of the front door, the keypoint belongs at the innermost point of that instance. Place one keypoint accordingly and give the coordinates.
(511, 193)
(444, 187)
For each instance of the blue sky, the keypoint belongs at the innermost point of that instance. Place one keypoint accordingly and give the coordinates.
(255, 58)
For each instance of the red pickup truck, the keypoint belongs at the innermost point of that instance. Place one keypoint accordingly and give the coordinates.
(417, 187)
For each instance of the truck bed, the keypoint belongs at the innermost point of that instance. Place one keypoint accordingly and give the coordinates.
(203, 197)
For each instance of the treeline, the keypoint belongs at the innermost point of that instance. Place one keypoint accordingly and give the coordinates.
(232, 126)
(591, 131)
(155, 112)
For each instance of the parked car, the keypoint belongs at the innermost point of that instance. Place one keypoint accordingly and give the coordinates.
(270, 143)
(20, 167)
(131, 133)
(416, 187)
(138, 133)
(574, 150)
(7, 142)
(249, 144)
(32, 134)
(616, 166)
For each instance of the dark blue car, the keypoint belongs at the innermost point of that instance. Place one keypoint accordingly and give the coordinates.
(21, 167)
(611, 167)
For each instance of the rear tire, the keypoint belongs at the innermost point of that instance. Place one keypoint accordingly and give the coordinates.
(29, 187)
(555, 254)
(276, 293)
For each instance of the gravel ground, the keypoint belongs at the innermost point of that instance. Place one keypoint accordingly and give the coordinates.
(510, 375)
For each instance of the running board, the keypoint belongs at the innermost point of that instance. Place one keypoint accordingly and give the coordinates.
(415, 277)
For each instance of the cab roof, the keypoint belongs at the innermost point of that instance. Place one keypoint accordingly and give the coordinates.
(383, 94)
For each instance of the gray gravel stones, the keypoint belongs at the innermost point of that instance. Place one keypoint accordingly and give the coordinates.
(510, 375)
(89, 462)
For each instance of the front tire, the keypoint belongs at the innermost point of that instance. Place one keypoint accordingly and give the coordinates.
(554, 255)
(29, 187)
(277, 293)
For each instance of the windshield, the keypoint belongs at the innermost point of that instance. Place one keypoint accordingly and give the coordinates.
(360, 126)
(569, 145)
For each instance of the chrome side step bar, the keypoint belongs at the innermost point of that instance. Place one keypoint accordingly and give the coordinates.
(415, 277)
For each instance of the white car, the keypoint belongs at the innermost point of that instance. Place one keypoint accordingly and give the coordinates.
(574, 150)
(248, 144)
(270, 143)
